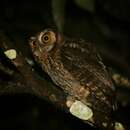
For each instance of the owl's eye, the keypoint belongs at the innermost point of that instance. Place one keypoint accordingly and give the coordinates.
(47, 37)
(34, 44)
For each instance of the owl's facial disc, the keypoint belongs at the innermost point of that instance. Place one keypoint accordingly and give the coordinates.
(47, 40)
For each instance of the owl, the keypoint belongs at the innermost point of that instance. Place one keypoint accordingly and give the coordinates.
(76, 68)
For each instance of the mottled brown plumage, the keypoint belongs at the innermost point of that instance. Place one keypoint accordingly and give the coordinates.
(76, 68)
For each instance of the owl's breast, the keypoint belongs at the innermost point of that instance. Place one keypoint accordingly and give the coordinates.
(63, 78)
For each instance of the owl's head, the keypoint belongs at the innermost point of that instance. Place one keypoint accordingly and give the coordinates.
(45, 41)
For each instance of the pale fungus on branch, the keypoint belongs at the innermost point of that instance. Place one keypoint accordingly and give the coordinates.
(11, 54)
(81, 111)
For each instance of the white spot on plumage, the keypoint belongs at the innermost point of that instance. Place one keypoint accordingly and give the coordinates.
(104, 124)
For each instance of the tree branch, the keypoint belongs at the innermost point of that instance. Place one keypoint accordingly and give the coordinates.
(29, 81)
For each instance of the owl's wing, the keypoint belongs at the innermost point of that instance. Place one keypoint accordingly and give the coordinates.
(84, 64)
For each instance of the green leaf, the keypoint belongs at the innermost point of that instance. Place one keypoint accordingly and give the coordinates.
(86, 4)
(58, 8)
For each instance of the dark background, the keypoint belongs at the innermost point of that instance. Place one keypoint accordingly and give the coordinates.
(105, 23)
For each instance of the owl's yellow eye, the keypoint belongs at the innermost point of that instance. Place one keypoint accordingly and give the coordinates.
(46, 38)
